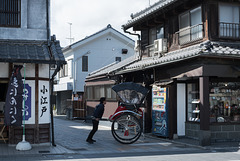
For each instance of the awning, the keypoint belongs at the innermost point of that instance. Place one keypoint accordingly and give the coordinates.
(38, 52)
(164, 83)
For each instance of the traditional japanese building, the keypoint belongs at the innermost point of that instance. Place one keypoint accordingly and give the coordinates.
(192, 49)
(25, 41)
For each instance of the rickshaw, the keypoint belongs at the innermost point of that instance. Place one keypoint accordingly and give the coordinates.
(126, 121)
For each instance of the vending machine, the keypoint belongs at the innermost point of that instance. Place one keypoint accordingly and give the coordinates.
(160, 111)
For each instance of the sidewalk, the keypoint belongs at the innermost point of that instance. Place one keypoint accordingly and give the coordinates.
(70, 136)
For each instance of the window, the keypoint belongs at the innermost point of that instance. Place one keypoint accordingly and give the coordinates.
(64, 71)
(85, 63)
(10, 13)
(193, 109)
(191, 27)
(160, 32)
(70, 68)
(229, 21)
(110, 94)
(156, 33)
(118, 59)
(224, 99)
(98, 91)
(152, 35)
(89, 92)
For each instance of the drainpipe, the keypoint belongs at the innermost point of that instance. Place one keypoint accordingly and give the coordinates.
(47, 23)
(52, 78)
(139, 37)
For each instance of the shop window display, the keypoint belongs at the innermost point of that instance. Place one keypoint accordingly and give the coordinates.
(193, 109)
(224, 99)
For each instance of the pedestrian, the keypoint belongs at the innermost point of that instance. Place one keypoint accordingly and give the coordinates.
(97, 115)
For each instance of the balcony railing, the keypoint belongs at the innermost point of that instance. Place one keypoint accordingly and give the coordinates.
(229, 30)
(190, 34)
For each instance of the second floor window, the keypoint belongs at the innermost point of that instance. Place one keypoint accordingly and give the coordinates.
(118, 59)
(229, 21)
(10, 13)
(85, 63)
(160, 32)
(156, 33)
(64, 71)
(190, 26)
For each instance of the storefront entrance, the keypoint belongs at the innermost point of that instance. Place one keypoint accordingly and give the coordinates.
(3, 128)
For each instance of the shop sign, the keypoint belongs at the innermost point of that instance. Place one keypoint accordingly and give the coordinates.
(44, 110)
(27, 96)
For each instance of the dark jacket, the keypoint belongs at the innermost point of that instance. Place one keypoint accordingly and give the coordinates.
(99, 110)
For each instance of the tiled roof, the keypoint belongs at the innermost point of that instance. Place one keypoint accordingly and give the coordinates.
(208, 48)
(31, 52)
(113, 67)
(87, 37)
(146, 12)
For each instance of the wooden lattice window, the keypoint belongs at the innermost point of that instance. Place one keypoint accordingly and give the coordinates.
(10, 13)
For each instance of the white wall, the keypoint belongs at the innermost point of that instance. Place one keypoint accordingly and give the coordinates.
(101, 51)
(33, 22)
(181, 109)
(4, 70)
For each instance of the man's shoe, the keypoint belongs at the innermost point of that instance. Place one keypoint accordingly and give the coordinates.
(89, 141)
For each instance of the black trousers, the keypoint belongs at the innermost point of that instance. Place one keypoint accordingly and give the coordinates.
(94, 129)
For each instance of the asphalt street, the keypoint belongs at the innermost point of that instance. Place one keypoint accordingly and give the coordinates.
(70, 136)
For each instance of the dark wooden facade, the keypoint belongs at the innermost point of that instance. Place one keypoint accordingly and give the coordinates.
(201, 69)
(168, 17)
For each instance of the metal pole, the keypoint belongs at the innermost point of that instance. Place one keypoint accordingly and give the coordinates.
(24, 99)
(51, 111)
(70, 38)
(143, 123)
(24, 145)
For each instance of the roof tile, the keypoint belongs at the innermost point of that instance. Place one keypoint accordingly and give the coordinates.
(29, 51)
(205, 48)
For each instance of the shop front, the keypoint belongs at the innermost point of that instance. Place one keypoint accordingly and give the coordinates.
(224, 110)
(204, 100)
(38, 63)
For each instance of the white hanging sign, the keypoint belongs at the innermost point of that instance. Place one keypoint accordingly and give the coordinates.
(44, 102)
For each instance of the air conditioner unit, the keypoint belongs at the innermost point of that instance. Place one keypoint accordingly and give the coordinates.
(160, 46)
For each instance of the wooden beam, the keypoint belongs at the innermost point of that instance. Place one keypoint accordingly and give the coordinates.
(36, 103)
(204, 103)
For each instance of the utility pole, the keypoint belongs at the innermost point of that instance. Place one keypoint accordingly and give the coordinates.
(149, 2)
(70, 38)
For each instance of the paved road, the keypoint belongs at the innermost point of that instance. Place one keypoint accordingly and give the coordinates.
(70, 138)
(152, 156)
(72, 135)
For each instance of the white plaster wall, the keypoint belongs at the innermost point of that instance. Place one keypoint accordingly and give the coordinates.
(29, 69)
(101, 51)
(33, 22)
(4, 70)
(44, 70)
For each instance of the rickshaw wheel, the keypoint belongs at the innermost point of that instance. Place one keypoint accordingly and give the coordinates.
(126, 128)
